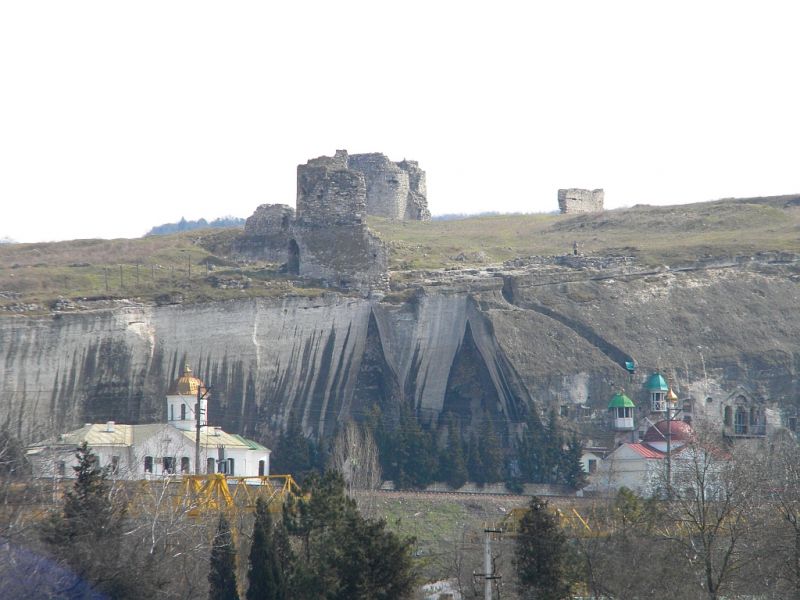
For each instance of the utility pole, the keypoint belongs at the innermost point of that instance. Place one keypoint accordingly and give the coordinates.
(488, 574)
(199, 424)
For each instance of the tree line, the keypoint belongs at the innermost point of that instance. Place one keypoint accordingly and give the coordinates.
(724, 525)
(101, 544)
(184, 225)
(413, 455)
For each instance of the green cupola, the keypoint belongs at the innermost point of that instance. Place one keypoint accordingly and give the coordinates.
(657, 387)
(621, 408)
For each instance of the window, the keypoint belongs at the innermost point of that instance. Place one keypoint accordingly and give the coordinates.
(230, 467)
(183, 412)
(171, 412)
(592, 465)
(148, 464)
(687, 419)
(565, 410)
(728, 416)
(185, 465)
(62, 468)
(210, 466)
(261, 467)
(169, 464)
(793, 423)
(115, 464)
(222, 466)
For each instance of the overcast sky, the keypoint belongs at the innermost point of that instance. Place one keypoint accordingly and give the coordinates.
(117, 116)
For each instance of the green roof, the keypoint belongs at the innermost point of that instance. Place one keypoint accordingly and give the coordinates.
(656, 383)
(620, 400)
(253, 444)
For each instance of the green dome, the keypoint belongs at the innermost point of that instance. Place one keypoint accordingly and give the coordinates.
(620, 400)
(656, 383)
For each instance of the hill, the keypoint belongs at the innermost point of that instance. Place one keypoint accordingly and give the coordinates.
(199, 265)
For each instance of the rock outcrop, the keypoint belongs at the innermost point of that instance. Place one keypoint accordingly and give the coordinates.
(494, 343)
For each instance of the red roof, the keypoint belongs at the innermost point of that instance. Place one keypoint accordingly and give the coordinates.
(646, 451)
(680, 432)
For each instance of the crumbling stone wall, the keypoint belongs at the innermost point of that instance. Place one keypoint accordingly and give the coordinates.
(266, 233)
(395, 190)
(574, 200)
(269, 218)
(328, 238)
(329, 193)
(345, 256)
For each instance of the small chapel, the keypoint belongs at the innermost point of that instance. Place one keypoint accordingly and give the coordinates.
(157, 450)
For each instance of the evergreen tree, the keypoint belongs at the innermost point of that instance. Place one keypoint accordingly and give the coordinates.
(265, 575)
(87, 534)
(452, 462)
(491, 452)
(222, 574)
(541, 554)
(553, 450)
(474, 462)
(347, 557)
(294, 453)
(571, 471)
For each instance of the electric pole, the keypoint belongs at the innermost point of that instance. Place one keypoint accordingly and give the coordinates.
(488, 574)
(199, 424)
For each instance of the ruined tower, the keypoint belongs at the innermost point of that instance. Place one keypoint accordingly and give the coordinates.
(575, 200)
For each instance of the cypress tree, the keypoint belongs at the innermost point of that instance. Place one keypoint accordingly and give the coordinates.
(541, 554)
(264, 575)
(571, 470)
(491, 452)
(452, 462)
(474, 462)
(222, 574)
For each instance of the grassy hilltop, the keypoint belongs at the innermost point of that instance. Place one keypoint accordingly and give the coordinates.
(197, 265)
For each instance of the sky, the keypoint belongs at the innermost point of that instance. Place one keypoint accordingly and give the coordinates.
(118, 116)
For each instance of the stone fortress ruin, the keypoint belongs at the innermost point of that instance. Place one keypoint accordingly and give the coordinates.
(575, 200)
(327, 238)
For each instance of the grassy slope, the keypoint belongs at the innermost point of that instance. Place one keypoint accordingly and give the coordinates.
(38, 273)
(80, 269)
(654, 234)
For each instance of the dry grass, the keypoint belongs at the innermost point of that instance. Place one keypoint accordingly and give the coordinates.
(655, 235)
(151, 267)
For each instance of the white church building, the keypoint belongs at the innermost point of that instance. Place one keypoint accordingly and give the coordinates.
(159, 449)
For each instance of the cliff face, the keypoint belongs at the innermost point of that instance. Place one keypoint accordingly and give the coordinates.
(489, 348)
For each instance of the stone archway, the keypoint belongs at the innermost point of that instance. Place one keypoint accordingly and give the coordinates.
(293, 261)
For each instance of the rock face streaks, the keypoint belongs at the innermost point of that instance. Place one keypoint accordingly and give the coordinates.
(323, 359)
(488, 351)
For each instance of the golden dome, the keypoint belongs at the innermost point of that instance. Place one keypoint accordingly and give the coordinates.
(672, 396)
(186, 385)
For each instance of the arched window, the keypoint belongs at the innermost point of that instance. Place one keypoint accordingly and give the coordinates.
(728, 416)
(740, 425)
(293, 262)
(210, 466)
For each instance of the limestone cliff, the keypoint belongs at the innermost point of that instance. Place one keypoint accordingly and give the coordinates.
(476, 343)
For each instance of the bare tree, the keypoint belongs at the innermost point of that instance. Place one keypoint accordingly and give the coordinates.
(712, 494)
(355, 455)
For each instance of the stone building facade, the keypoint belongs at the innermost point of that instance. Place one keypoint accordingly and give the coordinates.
(328, 238)
(574, 200)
